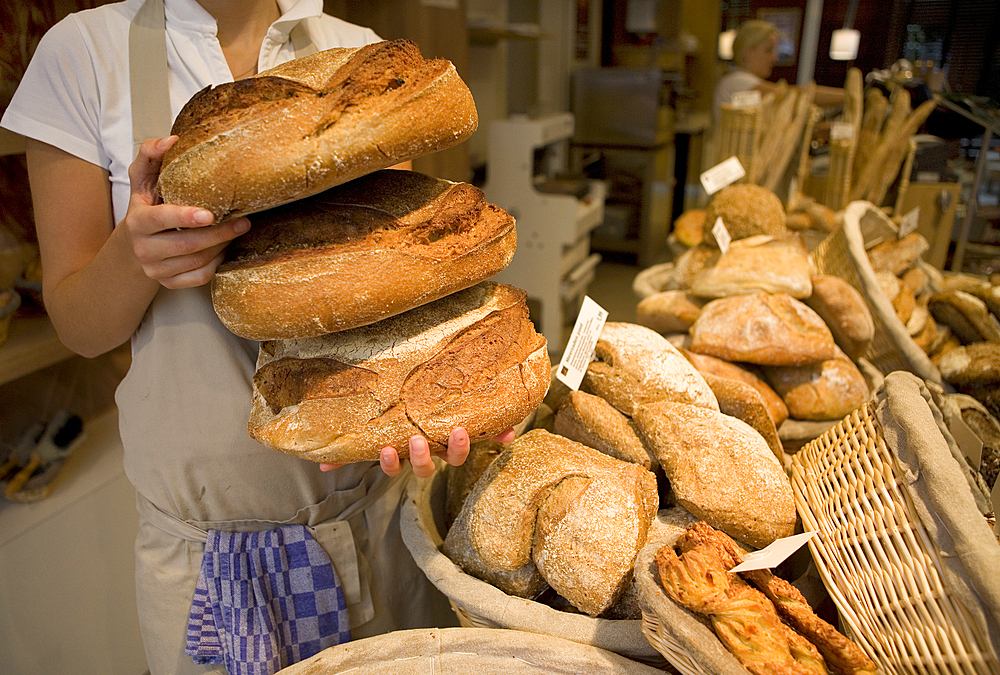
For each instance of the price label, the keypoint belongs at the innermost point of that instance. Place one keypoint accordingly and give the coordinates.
(723, 174)
(774, 553)
(909, 222)
(750, 98)
(841, 131)
(580, 348)
(721, 234)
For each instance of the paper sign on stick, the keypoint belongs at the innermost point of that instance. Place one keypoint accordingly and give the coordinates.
(725, 173)
(774, 554)
(580, 348)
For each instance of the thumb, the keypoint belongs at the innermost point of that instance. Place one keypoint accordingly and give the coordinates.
(145, 168)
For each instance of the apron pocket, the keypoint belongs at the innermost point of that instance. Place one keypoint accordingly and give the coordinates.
(336, 539)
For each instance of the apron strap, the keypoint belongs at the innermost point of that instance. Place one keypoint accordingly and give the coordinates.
(147, 57)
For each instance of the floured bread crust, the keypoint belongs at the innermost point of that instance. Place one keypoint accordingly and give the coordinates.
(471, 359)
(315, 122)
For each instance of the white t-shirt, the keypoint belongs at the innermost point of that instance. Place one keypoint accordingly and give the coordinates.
(735, 80)
(185, 402)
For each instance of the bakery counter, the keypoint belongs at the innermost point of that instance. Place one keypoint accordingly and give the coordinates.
(67, 566)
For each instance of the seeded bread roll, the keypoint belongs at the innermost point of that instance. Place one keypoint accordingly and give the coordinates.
(471, 359)
(312, 123)
(358, 253)
(746, 210)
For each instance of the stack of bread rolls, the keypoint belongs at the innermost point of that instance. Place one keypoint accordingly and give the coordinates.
(366, 286)
(647, 444)
(759, 313)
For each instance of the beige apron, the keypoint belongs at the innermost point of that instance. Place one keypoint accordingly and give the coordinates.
(358, 525)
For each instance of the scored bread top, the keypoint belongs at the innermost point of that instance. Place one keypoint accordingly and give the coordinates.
(318, 121)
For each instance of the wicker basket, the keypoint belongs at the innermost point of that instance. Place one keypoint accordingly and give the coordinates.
(481, 605)
(843, 254)
(652, 280)
(902, 548)
(456, 651)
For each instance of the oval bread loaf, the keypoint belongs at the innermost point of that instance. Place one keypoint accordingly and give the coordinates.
(309, 124)
(471, 359)
(358, 253)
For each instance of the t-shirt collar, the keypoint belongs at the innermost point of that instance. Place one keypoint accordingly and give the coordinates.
(191, 15)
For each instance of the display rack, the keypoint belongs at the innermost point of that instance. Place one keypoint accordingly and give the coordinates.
(553, 262)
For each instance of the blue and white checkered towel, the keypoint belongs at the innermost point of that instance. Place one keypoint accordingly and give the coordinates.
(265, 600)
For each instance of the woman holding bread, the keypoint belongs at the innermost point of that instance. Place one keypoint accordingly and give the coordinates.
(121, 266)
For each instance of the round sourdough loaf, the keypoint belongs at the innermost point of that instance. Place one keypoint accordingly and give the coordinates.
(309, 124)
(358, 253)
(471, 359)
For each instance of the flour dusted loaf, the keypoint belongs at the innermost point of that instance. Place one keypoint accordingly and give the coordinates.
(576, 515)
(471, 359)
(759, 263)
(358, 253)
(312, 123)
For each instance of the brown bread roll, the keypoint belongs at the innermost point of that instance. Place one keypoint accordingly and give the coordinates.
(760, 263)
(721, 470)
(709, 365)
(668, 311)
(688, 227)
(763, 328)
(312, 123)
(636, 365)
(845, 312)
(746, 210)
(591, 420)
(898, 255)
(740, 400)
(295, 274)
(967, 316)
(471, 359)
(829, 390)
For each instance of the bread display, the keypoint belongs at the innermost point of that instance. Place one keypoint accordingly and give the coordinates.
(762, 328)
(471, 359)
(759, 263)
(296, 273)
(720, 469)
(636, 365)
(309, 124)
(746, 210)
(578, 515)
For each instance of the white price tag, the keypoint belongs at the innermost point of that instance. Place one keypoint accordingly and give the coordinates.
(726, 172)
(774, 554)
(721, 234)
(841, 131)
(750, 98)
(909, 222)
(580, 348)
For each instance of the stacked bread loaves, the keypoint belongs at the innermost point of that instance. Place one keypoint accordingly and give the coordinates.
(366, 286)
(758, 313)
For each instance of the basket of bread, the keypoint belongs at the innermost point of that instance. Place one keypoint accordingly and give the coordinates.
(456, 651)
(542, 534)
(903, 539)
(759, 312)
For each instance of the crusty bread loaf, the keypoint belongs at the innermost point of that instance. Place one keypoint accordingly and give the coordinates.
(312, 123)
(967, 316)
(763, 328)
(897, 255)
(844, 311)
(759, 263)
(668, 311)
(358, 253)
(828, 390)
(636, 365)
(709, 365)
(746, 210)
(471, 359)
(591, 530)
(591, 420)
(740, 400)
(721, 470)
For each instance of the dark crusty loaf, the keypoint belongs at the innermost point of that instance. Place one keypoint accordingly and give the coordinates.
(312, 123)
(358, 253)
(471, 359)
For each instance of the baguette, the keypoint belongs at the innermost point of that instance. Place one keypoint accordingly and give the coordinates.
(298, 272)
(312, 123)
(471, 359)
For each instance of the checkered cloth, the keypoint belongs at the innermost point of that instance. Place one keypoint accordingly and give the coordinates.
(265, 600)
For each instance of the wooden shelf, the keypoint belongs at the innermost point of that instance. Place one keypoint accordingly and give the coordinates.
(10, 143)
(32, 344)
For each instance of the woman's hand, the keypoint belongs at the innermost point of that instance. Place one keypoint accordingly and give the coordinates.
(421, 458)
(178, 246)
